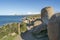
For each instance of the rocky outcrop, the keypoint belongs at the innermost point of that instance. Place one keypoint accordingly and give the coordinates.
(37, 22)
(46, 14)
(40, 31)
(54, 27)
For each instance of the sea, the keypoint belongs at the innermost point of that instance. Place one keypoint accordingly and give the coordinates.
(10, 19)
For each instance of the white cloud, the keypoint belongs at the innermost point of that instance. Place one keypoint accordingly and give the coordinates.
(12, 12)
(29, 12)
(33, 13)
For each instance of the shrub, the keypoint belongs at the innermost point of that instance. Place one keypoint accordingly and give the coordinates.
(23, 27)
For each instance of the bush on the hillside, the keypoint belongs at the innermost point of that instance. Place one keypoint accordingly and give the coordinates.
(14, 28)
(23, 27)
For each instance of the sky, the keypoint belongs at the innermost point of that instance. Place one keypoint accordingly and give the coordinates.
(26, 7)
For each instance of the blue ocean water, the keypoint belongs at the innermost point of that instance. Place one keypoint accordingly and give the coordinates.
(10, 19)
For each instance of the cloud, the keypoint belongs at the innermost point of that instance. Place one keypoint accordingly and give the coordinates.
(12, 12)
(29, 12)
(33, 13)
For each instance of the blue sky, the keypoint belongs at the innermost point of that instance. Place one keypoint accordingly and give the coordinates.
(23, 7)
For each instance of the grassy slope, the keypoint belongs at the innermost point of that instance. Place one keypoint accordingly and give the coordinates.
(8, 38)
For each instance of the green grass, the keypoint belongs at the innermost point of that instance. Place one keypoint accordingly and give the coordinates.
(23, 27)
(8, 38)
(7, 29)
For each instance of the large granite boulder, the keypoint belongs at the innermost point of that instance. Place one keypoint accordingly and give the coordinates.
(40, 31)
(54, 27)
(46, 14)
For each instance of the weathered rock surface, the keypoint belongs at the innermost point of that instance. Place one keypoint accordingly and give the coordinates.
(28, 36)
(54, 27)
(40, 30)
(46, 14)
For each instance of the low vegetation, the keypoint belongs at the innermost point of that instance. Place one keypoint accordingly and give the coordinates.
(8, 29)
(11, 28)
(8, 37)
(23, 27)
